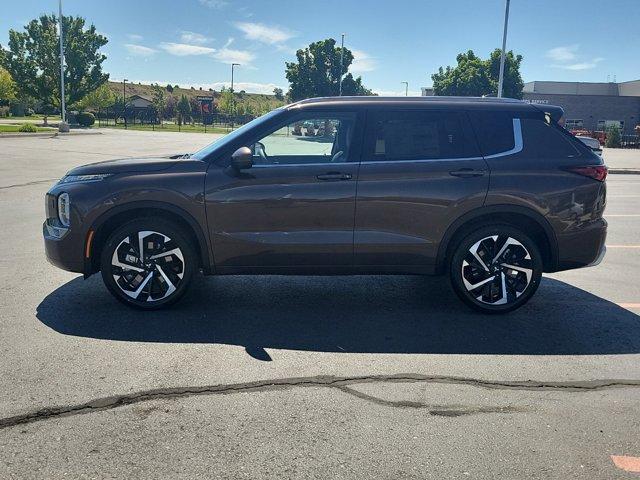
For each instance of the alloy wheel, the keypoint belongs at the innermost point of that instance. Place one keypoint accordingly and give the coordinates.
(147, 266)
(497, 269)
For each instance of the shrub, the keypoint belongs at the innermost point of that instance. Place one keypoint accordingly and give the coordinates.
(4, 111)
(27, 128)
(613, 138)
(86, 119)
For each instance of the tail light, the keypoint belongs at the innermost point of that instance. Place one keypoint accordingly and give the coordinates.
(597, 172)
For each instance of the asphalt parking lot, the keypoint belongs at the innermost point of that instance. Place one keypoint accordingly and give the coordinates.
(308, 377)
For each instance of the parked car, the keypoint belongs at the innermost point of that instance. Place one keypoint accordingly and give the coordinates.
(592, 143)
(490, 192)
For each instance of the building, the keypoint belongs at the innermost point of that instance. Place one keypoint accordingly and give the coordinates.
(587, 105)
(590, 105)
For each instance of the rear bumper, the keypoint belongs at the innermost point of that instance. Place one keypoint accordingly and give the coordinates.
(583, 248)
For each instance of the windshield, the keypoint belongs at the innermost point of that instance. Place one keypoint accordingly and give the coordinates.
(230, 137)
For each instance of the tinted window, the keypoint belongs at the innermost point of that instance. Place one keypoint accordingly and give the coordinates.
(417, 135)
(310, 138)
(494, 131)
(547, 139)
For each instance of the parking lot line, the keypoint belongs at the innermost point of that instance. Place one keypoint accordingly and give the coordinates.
(623, 246)
(629, 305)
(623, 215)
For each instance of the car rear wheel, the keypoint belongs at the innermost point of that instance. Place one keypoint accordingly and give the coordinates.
(148, 263)
(496, 269)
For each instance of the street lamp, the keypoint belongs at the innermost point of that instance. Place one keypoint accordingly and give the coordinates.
(406, 88)
(63, 127)
(233, 97)
(124, 101)
(504, 46)
(341, 63)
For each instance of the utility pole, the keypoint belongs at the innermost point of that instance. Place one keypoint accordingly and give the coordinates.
(63, 113)
(341, 63)
(406, 88)
(504, 47)
(124, 101)
(233, 96)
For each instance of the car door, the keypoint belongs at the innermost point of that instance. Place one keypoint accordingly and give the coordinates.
(293, 210)
(420, 171)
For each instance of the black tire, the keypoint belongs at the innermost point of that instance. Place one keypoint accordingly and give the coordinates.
(500, 288)
(166, 276)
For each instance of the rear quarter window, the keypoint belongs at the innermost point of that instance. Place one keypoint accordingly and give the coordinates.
(547, 140)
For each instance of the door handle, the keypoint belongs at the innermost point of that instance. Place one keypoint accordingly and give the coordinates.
(334, 176)
(467, 173)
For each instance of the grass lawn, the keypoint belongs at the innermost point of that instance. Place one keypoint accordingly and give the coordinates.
(15, 129)
(169, 127)
(50, 118)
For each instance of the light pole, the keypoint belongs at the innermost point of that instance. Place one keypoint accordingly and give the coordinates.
(504, 46)
(341, 63)
(124, 101)
(233, 97)
(63, 114)
(406, 88)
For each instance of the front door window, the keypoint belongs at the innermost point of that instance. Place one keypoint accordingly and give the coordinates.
(307, 140)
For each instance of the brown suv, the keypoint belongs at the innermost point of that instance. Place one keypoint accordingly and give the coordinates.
(491, 192)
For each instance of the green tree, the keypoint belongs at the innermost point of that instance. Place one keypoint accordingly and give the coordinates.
(158, 101)
(32, 59)
(279, 94)
(7, 87)
(225, 104)
(316, 73)
(101, 97)
(473, 76)
(613, 137)
(184, 110)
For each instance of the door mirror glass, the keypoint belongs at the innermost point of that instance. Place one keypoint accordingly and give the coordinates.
(241, 158)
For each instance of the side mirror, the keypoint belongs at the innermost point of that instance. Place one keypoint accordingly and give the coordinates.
(242, 158)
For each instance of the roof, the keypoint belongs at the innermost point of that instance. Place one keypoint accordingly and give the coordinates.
(411, 102)
(132, 97)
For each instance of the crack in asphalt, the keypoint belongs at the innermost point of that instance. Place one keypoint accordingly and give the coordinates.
(341, 383)
(35, 182)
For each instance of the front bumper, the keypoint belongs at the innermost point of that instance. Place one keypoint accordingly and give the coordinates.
(65, 251)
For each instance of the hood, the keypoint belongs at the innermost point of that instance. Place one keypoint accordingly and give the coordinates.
(126, 165)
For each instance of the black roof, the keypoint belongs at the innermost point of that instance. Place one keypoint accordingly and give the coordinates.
(466, 102)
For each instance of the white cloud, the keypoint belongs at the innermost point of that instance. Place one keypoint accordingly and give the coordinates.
(193, 38)
(134, 37)
(397, 93)
(215, 4)
(260, 32)
(228, 55)
(563, 54)
(184, 49)
(139, 50)
(362, 62)
(249, 87)
(581, 65)
(568, 58)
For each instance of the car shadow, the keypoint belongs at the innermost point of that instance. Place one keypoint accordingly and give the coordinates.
(368, 314)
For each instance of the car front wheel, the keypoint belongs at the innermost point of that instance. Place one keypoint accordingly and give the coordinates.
(496, 269)
(148, 263)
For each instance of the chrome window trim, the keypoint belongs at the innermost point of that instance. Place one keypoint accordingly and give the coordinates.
(301, 164)
(517, 140)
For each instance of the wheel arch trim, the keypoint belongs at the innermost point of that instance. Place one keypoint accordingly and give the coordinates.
(497, 209)
(202, 239)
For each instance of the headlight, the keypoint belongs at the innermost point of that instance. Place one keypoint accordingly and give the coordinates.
(64, 209)
(84, 178)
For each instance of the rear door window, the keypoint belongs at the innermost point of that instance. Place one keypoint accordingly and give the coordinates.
(417, 135)
(494, 131)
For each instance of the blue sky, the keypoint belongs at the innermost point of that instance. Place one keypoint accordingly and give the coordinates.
(192, 42)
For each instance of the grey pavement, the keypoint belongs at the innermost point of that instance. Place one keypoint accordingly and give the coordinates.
(296, 377)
